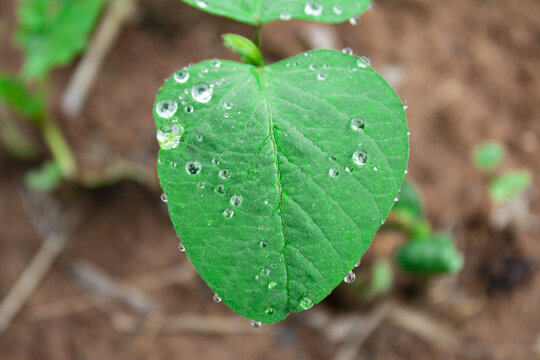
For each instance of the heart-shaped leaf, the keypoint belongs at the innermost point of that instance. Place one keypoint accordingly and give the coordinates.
(277, 177)
(257, 12)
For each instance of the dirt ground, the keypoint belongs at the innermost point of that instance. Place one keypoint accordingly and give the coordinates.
(470, 70)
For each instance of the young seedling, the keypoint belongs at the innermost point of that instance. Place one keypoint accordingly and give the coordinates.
(277, 176)
(51, 34)
(504, 186)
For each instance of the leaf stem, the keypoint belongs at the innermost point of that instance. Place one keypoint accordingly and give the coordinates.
(257, 35)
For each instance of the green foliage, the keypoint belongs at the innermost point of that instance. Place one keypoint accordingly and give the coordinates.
(509, 186)
(248, 51)
(487, 156)
(278, 177)
(46, 178)
(14, 93)
(53, 32)
(257, 12)
(382, 279)
(409, 203)
(430, 256)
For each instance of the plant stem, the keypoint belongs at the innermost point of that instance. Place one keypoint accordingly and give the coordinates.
(257, 35)
(59, 148)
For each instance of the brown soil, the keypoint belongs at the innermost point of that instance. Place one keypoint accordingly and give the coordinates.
(471, 73)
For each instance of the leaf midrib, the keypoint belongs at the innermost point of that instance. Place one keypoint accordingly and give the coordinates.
(259, 74)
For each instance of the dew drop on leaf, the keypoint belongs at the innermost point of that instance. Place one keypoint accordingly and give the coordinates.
(189, 109)
(285, 16)
(269, 311)
(353, 21)
(405, 104)
(168, 136)
(306, 303)
(350, 277)
(236, 200)
(313, 8)
(337, 10)
(216, 63)
(363, 62)
(271, 285)
(220, 189)
(224, 174)
(360, 157)
(202, 3)
(201, 93)
(215, 161)
(255, 324)
(263, 244)
(358, 124)
(181, 247)
(193, 167)
(228, 105)
(201, 184)
(166, 108)
(347, 50)
(216, 298)
(322, 76)
(333, 172)
(163, 198)
(228, 213)
(181, 76)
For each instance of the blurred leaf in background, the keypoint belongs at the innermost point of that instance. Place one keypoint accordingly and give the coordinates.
(428, 255)
(52, 32)
(45, 178)
(14, 94)
(509, 186)
(487, 156)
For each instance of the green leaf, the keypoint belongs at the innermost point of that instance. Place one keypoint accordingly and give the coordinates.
(382, 279)
(13, 93)
(488, 155)
(257, 12)
(278, 177)
(430, 256)
(509, 186)
(248, 51)
(46, 178)
(53, 32)
(409, 203)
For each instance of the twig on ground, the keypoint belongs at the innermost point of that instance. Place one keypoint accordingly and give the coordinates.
(117, 13)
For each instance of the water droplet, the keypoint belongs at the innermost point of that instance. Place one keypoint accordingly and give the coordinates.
(326, 66)
(217, 299)
(181, 247)
(357, 265)
(266, 201)
(189, 109)
(285, 16)
(201, 93)
(383, 221)
(375, 168)
(224, 174)
(306, 303)
(228, 105)
(271, 285)
(236, 200)
(220, 189)
(363, 62)
(265, 272)
(313, 67)
(228, 213)
(193, 167)
(349, 169)
(333, 157)
(358, 124)
(354, 20)
(322, 76)
(168, 136)
(181, 76)
(405, 104)
(202, 3)
(216, 63)
(261, 227)
(163, 197)
(348, 51)
(201, 184)
(256, 324)
(313, 8)
(199, 138)
(406, 171)
(333, 172)
(173, 164)
(396, 199)
(350, 277)
(215, 161)
(263, 244)
(360, 157)
(166, 108)
(337, 10)
(269, 311)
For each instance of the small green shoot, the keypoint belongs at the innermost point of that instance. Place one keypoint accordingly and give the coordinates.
(488, 156)
(509, 186)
